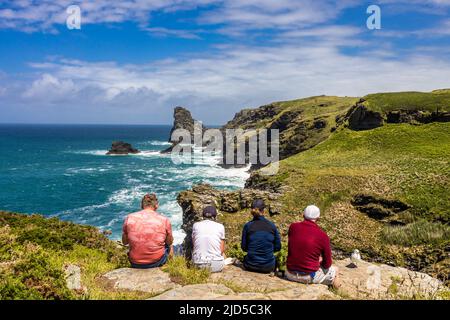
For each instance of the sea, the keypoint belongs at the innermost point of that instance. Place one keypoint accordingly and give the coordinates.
(63, 171)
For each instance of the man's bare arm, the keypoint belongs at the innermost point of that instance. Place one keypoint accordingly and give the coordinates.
(124, 239)
(222, 247)
(169, 239)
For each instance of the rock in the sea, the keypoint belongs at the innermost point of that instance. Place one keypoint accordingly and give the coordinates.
(120, 147)
(182, 119)
(143, 280)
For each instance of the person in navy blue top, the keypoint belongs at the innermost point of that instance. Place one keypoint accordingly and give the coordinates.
(260, 239)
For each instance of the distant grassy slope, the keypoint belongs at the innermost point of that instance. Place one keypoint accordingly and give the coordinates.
(395, 162)
(302, 123)
(34, 251)
(438, 100)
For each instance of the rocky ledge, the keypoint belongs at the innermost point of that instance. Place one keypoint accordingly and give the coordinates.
(122, 148)
(366, 281)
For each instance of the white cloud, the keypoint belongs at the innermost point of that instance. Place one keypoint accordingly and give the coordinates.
(44, 15)
(217, 85)
(230, 16)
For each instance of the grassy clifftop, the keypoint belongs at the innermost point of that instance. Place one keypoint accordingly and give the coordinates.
(384, 191)
(438, 100)
(34, 252)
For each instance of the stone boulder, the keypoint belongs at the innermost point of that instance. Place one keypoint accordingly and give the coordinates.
(380, 281)
(152, 281)
(122, 148)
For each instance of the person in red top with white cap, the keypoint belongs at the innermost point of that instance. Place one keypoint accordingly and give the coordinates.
(309, 252)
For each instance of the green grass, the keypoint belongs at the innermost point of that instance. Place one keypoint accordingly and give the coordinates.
(184, 273)
(424, 101)
(34, 251)
(398, 162)
(417, 233)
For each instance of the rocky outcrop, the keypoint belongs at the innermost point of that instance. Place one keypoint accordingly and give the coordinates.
(380, 281)
(182, 119)
(416, 116)
(152, 281)
(193, 201)
(298, 128)
(121, 148)
(363, 281)
(361, 118)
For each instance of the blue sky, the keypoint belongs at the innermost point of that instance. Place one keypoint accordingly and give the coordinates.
(133, 61)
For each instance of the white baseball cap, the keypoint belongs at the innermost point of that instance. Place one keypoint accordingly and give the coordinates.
(311, 212)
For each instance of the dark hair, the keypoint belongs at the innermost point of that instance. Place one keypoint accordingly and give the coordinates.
(210, 212)
(149, 200)
(258, 204)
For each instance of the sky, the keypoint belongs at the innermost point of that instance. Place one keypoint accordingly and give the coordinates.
(133, 61)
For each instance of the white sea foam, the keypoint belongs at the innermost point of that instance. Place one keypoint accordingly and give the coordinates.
(90, 152)
(163, 178)
(156, 143)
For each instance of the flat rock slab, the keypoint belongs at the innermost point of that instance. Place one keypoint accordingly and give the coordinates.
(143, 280)
(196, 292)
(305, 292)
(380, 281)
(245, 281)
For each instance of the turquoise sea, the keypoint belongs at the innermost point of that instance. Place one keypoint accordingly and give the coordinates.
(62, 171)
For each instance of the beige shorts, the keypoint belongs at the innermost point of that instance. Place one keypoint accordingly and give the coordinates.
(322, 276)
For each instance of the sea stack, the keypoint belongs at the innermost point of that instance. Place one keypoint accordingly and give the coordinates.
(182, 119)
(122, 148)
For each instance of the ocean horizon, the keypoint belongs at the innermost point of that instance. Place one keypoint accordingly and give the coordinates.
(62, 170)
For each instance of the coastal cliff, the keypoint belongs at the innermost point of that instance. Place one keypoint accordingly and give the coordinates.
(376, 166)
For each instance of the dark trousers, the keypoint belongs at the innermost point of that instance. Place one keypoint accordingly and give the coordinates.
(260, 269)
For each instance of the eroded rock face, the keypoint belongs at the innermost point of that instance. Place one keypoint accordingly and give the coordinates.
(360, 118)
(416, 116)
(193, 201)
(122, 148)
(152, 281)
(182, 120)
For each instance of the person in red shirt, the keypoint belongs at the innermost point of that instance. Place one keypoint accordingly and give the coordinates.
(149, 235)
(309, 252)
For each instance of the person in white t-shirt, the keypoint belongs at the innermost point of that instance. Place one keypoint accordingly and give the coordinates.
(208, 239)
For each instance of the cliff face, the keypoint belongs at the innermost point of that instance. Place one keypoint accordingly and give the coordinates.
(382, 191)
(301, 124)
